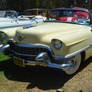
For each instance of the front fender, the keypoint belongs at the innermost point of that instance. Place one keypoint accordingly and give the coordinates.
(72, 41)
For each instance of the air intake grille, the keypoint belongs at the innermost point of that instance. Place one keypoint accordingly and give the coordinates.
(34, 51)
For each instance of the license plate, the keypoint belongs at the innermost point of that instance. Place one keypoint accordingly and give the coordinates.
(19, 61)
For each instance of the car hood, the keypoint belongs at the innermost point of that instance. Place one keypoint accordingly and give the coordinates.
(44, 33)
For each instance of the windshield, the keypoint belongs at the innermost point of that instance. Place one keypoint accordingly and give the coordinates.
(10, 13)
(2, 13)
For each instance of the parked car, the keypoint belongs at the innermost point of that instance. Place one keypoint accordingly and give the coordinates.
(52, 44)
(35, 12)
(10, 18)
(8, 13)
(18, 22)
(71, 14)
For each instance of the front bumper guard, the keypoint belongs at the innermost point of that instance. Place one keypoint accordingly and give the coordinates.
(44, 60)
(3, 47)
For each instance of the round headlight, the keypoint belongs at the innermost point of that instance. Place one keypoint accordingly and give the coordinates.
(19, 37)
(3, 38)
(56, 43)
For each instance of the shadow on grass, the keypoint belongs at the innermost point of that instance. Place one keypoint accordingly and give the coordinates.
(43, 78)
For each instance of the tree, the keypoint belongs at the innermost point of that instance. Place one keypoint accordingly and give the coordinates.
(25, 4)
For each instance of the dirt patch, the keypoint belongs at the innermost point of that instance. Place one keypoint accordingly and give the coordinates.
(82, 80)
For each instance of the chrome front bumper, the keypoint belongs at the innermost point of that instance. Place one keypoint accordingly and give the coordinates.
(44, 60)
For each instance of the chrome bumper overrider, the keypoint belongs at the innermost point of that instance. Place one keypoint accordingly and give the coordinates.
(44, 57)
(3, 47)
(44, 60)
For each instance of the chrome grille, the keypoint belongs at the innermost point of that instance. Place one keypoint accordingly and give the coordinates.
(34, 51)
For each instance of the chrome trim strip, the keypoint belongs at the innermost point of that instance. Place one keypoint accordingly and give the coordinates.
(71, 55)
(53, 65)
(14, 26)
(29, 45)
(22, 54)
(33, 45)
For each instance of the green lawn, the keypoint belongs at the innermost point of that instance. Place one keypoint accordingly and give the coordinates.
(3, 57)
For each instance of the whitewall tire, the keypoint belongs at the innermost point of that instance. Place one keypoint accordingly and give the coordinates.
(75, 64)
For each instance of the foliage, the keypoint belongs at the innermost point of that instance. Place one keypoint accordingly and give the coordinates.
(25, 4)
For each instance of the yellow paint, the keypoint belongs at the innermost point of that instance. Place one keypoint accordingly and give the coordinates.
(74, 37)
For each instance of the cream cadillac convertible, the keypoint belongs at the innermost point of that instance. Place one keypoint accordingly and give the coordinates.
(51, 44)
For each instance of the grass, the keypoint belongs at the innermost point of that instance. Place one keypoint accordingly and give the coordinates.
(3, 57)
(9, 89)
(39, 79)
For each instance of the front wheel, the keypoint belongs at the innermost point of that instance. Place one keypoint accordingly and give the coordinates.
(75, 64)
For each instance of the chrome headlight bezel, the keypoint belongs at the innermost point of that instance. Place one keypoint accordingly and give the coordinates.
(3, 35)
(3, 38)
(19, 37)
(57, 44)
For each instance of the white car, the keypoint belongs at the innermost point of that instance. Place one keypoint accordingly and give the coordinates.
(9, 20)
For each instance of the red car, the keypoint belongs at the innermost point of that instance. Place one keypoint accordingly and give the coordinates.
(70, 14)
